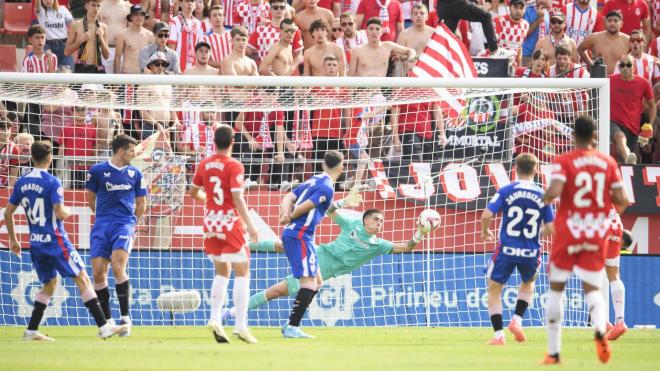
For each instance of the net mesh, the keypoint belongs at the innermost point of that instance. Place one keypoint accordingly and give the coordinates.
(413, 148)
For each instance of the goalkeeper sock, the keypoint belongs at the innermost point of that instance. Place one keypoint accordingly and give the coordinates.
(554, 312)
(257, 300)
(303, 298)
(241, 297)
(40, 305)
(596, 306)
(218, 295)
(263, 246)
(618, 291)
(122, 290)
(103, 295)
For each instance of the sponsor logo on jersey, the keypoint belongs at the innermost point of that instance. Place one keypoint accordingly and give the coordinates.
(38, 237)
(517, 251)
(117, 187)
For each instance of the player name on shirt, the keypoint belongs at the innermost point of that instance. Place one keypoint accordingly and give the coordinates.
(526, 195)
(590, 161)
(32, 187)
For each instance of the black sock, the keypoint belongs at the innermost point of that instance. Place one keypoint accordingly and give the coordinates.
(122, 290)
(311, 299)
(496, 321)
(521, 307)
(104, 300)
(37, 315)
(95, 310)
(303, 298)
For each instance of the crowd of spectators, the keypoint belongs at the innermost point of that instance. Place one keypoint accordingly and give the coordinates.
(542, 38)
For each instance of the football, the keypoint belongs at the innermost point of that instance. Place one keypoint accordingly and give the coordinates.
(429, 220)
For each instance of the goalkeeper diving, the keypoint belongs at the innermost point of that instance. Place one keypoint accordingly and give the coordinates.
(356, 245)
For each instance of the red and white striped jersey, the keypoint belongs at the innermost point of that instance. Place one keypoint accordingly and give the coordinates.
(250, 16)
(34, 64)
(576, 72)
(265, 36)
(206, 25)
(655, 15)
(199, 135)
(579, 23)
(8, 157)
(510, 34)
(654, 47)
(645, 67)
(220, 45)
(184, 34)
(230, 9)
(557, 4)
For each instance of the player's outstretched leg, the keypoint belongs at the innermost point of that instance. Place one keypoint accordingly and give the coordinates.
(218, 295)
(40, 303)
(618, 292)
(495, 312)
(525, 292)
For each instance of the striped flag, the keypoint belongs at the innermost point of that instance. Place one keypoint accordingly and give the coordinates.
(446, 56)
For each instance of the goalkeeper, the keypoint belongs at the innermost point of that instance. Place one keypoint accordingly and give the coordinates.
(357, 244)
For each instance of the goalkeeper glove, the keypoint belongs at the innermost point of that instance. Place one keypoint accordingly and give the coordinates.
(353, 199)
(419, 235)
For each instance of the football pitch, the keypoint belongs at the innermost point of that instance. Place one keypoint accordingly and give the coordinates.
(189, 348)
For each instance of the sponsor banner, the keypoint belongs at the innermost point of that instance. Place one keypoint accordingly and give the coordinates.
(394, 290)
(491, 67)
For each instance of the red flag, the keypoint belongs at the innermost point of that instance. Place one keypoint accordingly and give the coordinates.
(446, 56)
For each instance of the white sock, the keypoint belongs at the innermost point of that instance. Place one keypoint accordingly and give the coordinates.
(596, 306)
(241, 299)
(554, 313)
(518, 319)
(618, 291)
(218, 295)
(126, 319)
(232, 311)
(499, 334)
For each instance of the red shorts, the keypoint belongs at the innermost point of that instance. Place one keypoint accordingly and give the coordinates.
(233, 242)
(567, 254)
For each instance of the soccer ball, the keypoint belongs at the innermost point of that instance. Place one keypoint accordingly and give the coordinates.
(429, 220)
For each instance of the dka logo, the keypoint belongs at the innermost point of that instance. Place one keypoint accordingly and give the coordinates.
(28, 286)
(334, 301)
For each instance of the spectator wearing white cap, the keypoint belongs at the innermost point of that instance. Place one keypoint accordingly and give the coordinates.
(161, 35)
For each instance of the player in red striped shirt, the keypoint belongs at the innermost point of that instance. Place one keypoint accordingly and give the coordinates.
(217, 37)
(38, 61)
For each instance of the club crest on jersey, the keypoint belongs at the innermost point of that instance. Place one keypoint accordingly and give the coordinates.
(89, 176)
(322, 199)
(107, 175)
(131, 173)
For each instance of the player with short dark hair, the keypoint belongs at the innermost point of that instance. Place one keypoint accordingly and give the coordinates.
(524, 219)
(218, 182)
(590, 185)
(42, 197)
(301, 211)
(116, 193)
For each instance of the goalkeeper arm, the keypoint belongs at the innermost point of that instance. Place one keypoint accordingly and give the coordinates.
(354, 199)
(409, 246)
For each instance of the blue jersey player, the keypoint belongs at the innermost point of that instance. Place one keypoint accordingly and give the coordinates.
(42, 198)
(301, 211)
(115, 192)
(524, 218)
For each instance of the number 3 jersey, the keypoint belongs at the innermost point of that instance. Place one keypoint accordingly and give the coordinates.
(583, 216)
(523, 213)
(219, 176)
(37, 192)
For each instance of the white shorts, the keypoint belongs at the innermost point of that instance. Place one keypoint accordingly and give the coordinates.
(237, 257)
(614, 262)
(109, 64)
(593, 278)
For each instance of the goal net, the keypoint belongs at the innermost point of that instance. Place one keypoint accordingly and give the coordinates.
(413, 143)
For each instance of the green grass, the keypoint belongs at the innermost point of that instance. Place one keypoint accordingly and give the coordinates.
(186, 348)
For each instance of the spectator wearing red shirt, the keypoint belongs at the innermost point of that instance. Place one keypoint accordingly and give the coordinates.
(629, 94)
(78, 141)
(8, 156)
(536, 130)
(635, 15)
(388, 11)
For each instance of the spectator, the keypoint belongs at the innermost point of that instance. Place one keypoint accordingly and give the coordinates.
(89, 38)
(351, 38)
(197, 139)
(55, 19)
(201, 66)
(305, 18)
(162, 34)
(332, 5)
(280, 60)
(337, 31)
(635, 14)
(629, 94)
(237, 63)
(537, 16)
(185, 32)
(556, 37)
(217, 37)
(315, 54)
(389, 13)
(55, 117)
(159, 96)
(8, 157)
(535, 130)
(647, 144)
(155, 13)
(38, 60)
(266, 35)
(15, 126)
(372, 59)
(77, 145)
(251, 13)
(564, 65)
(452, 11)
(108, 125)
(417, 36)
(646, 65)
(609, 44)
(130, 41)
(511, 30)
(114, 14)
(23, 142)
(577, 12)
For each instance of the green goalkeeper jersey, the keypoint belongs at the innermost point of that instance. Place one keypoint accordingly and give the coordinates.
(351, 249)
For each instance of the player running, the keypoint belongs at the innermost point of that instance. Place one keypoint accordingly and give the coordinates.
(618, 238)
(42, 197)
(589, 184)
(523, 211)
(355, 246)
(301, 211)
(218, 182)
(115, 192)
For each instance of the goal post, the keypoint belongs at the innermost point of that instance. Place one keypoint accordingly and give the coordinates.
(415, 143)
